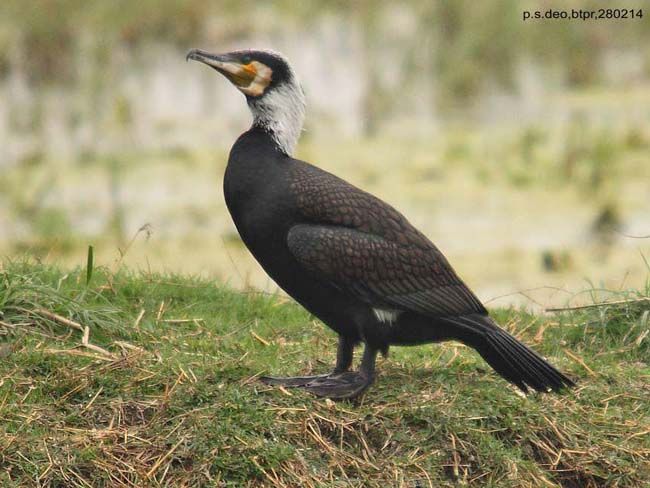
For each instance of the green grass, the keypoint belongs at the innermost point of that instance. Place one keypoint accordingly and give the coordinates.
(168, 396)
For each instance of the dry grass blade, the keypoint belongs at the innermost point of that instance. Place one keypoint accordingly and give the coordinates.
(59, 319)
(580, 362)
(260, 339)
(615, 303)
(163, 458)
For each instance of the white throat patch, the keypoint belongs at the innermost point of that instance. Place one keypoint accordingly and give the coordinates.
(282, 112)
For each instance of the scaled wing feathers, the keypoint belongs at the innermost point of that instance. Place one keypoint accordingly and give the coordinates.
(360, 244)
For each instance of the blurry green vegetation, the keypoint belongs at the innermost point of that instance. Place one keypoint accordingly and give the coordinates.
(554, 261)
(475, 41)
(464, 43)
(150, 380)
(592, 159)
(24, 195)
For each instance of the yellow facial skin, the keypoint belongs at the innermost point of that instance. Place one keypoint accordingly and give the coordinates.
(252, 78)
(261, 80)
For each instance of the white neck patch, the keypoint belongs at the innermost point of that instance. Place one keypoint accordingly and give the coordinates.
(281, 111)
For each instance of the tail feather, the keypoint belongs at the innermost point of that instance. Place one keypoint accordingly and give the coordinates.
(521, 370)
(510, 358)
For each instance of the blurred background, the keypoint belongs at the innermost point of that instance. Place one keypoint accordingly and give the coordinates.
(522, 149)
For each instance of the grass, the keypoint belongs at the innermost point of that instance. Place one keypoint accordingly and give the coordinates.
(158, 388)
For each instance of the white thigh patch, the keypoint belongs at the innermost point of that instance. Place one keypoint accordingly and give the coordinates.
(385, 315)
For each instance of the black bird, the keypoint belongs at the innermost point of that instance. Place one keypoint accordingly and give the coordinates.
(346, 256)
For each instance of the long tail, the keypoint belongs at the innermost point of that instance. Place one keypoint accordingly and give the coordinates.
(510, 358)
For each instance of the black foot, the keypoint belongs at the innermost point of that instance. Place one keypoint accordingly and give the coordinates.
(292, 381)
(340, 386)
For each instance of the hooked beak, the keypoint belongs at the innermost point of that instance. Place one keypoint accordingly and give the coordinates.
(241, 75)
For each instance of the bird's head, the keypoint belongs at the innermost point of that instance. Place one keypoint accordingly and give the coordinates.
(271, 88)
(254, 73)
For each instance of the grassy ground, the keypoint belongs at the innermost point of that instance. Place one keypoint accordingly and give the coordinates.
(122, 379)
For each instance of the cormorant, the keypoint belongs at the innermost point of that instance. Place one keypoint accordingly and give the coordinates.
(349, 258)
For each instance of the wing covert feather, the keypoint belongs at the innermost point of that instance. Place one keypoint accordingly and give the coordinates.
(381, 272)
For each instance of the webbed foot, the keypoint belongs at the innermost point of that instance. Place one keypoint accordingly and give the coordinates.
(340, 386)
(291, 381)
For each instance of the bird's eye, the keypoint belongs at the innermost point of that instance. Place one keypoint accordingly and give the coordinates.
(246, 59)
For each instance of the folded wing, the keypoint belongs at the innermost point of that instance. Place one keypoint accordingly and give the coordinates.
(381, 272)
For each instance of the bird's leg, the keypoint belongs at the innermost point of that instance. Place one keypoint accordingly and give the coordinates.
(349, 384)
(344, 355)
